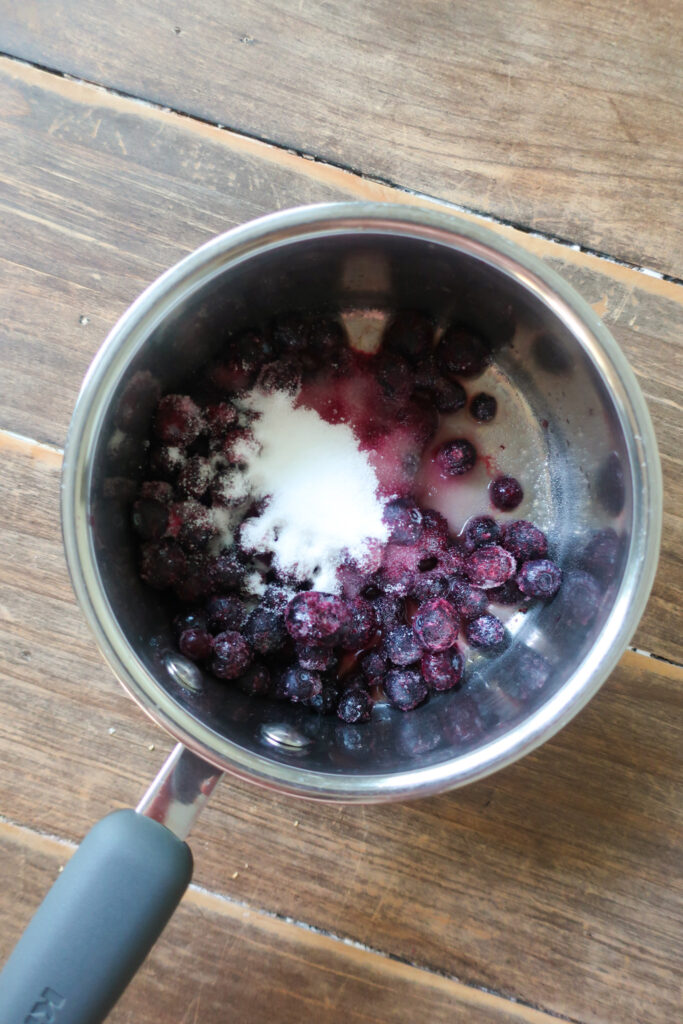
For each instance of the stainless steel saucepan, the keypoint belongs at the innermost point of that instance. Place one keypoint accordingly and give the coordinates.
(575, 429)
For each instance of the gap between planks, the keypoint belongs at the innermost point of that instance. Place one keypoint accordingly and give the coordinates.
(78, 90)
(283, 928)
(52, 457)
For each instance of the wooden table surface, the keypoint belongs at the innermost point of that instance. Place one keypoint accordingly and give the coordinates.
(131, 133)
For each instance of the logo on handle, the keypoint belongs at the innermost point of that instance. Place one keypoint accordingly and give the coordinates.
(47, 1008)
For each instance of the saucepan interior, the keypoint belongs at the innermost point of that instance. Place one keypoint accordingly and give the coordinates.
(572, 425)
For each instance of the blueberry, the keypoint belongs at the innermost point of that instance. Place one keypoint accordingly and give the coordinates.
(373, 667)
(506, 493)
(162, 565)
(231, 655)
(404, 520)
(361, 627)
(265, 629)
(317, 659)
(490, 566)
(524, 540)
(456, 457)
(507, 593)
(442, 670)
(354, 706)
(226, 612)
(401, 645)
(255, 682)
(178, 420)
(405, 688)
(317, 618)
(463, 352)
(409, 333)
(191, 619)
(540, 578)
(436, 624)
(483, 407)
(150, 518)
(196, 644)
(298, 684)
(480, 530)
(486, 631)
(469, 602)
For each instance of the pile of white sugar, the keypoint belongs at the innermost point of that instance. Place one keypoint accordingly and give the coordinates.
(321, 495)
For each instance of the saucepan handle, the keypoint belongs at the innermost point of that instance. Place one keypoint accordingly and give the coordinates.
(97, 923)
(108, 907)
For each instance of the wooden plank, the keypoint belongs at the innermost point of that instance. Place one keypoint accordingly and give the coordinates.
(217, 954)
(116, 192)
(544, 116)
(556, 881)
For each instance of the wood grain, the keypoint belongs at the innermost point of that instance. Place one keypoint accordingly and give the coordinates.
(556, 881)
(217, 954)
(100, 194)
(563, 117)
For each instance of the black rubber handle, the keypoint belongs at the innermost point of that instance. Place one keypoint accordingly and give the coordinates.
(97, 923)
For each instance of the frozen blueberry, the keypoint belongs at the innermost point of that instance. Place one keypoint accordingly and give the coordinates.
(463, 352)
(401, 645)
(483, 407)
(490, 566)
(255, 682)
(354, 706)
(395, 379)
(373, 667)
(506, 493)
(442, 670)
(436, 624)
(507, 593)
(162, 565)
(157, 490)
(435, 532)
(480, 530)
(389, 610)
(220, 420)
(405, 688)
(225, 571)
(456, 457)
(265, 629)
(325, 702)
(469, 602)
(428, 585)
(361, 627)
(196, 644)
(540, 578)
(195, 476)
(231, 655)
(524, 540)
(486, 631)
(178, 420)
(315, 617)
(431, 385)
(150, 518)
(404, 520)
(316, 659)
(410, 333)
(225, 612)
(298, 684)
(192, 524)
